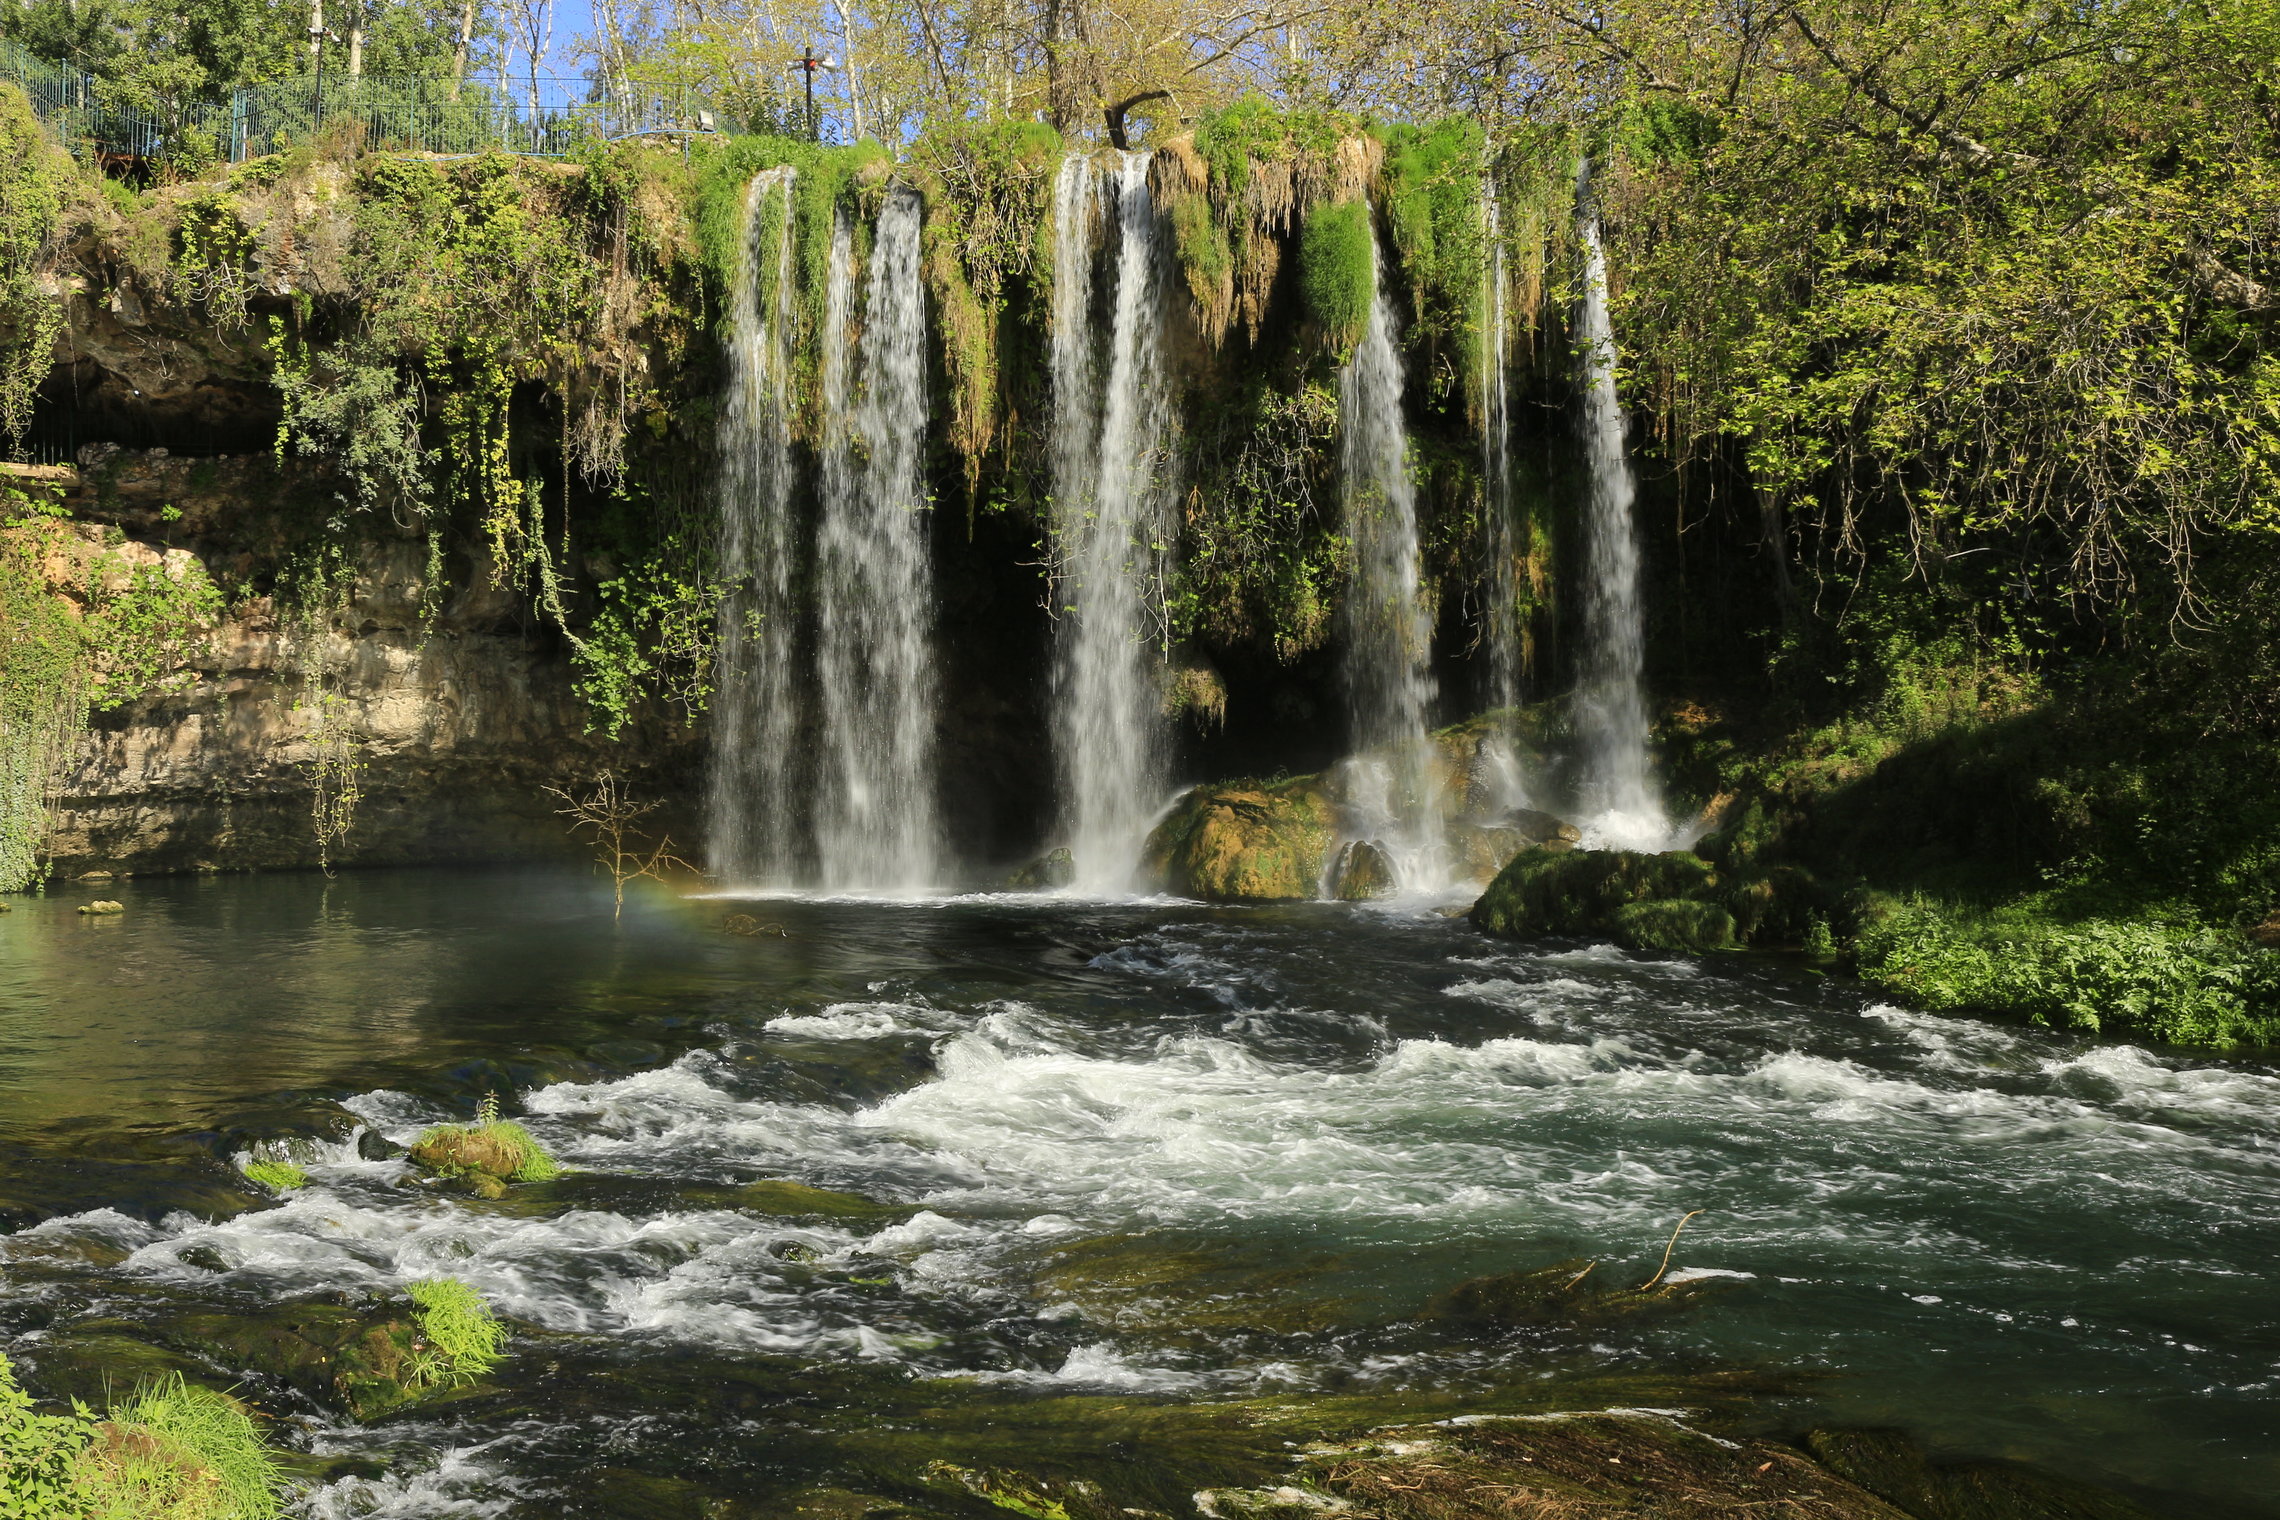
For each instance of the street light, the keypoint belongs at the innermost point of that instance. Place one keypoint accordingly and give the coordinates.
(807, 63)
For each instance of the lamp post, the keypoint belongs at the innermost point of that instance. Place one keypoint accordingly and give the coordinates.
(807, 63)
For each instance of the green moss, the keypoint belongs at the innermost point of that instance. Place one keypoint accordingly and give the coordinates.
(464, 1338)
(1681, 924)
(1337, 252)
(498, 1149)
(1245, 842)
(1585, 892)
(1430, 194)
(277, 1176)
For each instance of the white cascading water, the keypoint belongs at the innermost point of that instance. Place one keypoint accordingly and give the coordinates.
(1501, 779)
(1390, 779)
(1109, 506)
(1623, 805)
(754, 814)
(876, 826)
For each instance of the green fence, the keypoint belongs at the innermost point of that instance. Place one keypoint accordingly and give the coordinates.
(548, 115)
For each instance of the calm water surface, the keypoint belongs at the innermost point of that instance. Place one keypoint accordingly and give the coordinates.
(1316, 1118)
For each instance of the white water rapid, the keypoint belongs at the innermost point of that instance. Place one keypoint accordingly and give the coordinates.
(1110, 527)
(876, 827)
(1623, 805)
(754, 808)
(1391, 783)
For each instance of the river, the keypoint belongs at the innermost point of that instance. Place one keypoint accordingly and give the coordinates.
(1137, 1154)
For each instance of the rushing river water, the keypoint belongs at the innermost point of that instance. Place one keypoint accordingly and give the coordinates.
(1138, 1151)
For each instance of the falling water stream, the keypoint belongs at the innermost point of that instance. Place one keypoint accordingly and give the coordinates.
(755, 805)
(1623, 806)
(876, 824)
(1110, 510)
(1389, 778)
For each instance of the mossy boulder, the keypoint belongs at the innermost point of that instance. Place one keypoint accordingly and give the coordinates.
(1245, 842)
(1049, 872)
(1588, 892)
(1673, 901)
(1364, 872)
(484, 1157)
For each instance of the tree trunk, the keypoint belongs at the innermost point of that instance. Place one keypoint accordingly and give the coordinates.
(316, 35)
(459, 53)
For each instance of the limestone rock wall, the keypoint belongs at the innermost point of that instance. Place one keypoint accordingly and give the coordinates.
(453, 724)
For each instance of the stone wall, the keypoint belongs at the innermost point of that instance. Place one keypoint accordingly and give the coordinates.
(456, 722)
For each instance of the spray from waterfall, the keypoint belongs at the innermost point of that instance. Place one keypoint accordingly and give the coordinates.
(1110, 509)
(1391, 783)
(1624, 806)
(876, 826)
(753, 806)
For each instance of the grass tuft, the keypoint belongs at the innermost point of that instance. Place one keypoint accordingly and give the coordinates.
(277, 1176)
(466, 1338)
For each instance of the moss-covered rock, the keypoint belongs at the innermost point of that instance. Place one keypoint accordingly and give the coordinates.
(1586, 892)
(1363, 873)
(1245, 842)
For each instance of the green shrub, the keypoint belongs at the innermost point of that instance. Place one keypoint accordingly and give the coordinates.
(464, 1337)
(39, 1456)
(277, 1176)
(2151, 980)
(1337, 265)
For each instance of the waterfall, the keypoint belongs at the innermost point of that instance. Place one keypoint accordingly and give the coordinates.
(1109, 510)
(753, 809)
(876, 827)
(1502, 632)
(1391, 782)
(1624, 806)
(1501, 781)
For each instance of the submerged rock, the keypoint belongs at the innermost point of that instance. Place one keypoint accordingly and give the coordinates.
(1245, 843)
(103, 906)
(1894, 1468)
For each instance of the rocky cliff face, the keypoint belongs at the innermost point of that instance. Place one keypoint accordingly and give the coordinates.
(429, 738)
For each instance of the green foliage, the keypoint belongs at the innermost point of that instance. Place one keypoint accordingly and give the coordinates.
(464, 1337)
(1263, 554)
(84, 627)
(277, 1176)
(40, 1477)
(988, 185)
(2138, 977)
(1337, 266)
(2001, 282)
(33, 175)
(173, 1451)
(1430, 194)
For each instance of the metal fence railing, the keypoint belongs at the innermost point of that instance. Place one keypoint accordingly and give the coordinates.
(399, 113)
